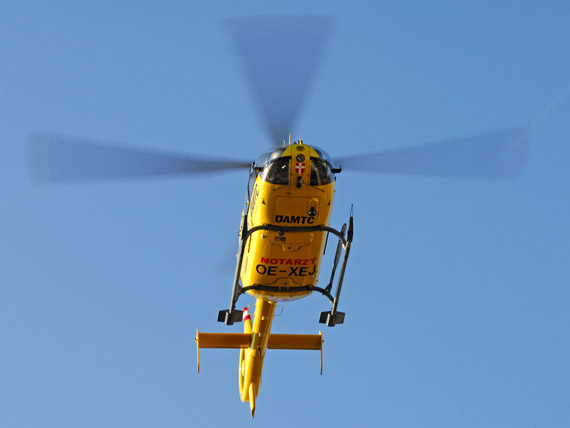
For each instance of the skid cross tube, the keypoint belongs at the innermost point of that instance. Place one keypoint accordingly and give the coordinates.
(286, 229)
(277, 289)
(229, 316)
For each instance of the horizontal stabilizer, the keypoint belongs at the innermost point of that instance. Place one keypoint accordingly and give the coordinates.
(223, 340)
(276, 341)
(296, 341)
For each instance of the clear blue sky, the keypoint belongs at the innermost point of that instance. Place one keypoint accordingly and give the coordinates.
(457, 291)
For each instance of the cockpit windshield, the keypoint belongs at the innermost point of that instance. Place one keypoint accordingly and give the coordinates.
(274, 167)
(277, 151)
(267, 156)
(277, 171)
(324, 156)
(321, 173)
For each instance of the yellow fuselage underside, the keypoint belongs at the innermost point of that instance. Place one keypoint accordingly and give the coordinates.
(291, 259)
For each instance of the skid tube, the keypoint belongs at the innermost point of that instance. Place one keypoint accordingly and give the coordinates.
(330, 318)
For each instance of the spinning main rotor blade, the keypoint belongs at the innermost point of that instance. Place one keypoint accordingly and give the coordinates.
(498, 154)
(280, 55)
(55, 158)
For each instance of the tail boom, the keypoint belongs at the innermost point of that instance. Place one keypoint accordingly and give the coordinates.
(253, 343)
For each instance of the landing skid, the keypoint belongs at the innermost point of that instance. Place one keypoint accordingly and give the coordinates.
(330, 318)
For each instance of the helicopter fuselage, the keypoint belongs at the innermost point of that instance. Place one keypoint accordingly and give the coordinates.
(293, 190)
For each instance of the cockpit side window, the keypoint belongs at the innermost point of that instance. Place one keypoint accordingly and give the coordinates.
(277, 171)
(321, 173)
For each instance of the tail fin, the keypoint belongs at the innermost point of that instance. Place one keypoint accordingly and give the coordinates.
(246, 321)
(252, 399)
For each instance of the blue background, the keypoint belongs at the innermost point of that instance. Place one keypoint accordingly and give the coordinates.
(456, 293)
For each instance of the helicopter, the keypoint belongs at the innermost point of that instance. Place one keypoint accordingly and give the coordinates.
(285, 225)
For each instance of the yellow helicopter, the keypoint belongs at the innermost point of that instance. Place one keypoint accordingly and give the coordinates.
(282, 237)
(285, 224)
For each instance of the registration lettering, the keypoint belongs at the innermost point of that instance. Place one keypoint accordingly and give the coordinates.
(289, 267)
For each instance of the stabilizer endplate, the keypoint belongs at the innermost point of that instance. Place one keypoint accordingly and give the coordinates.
(221, 340)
